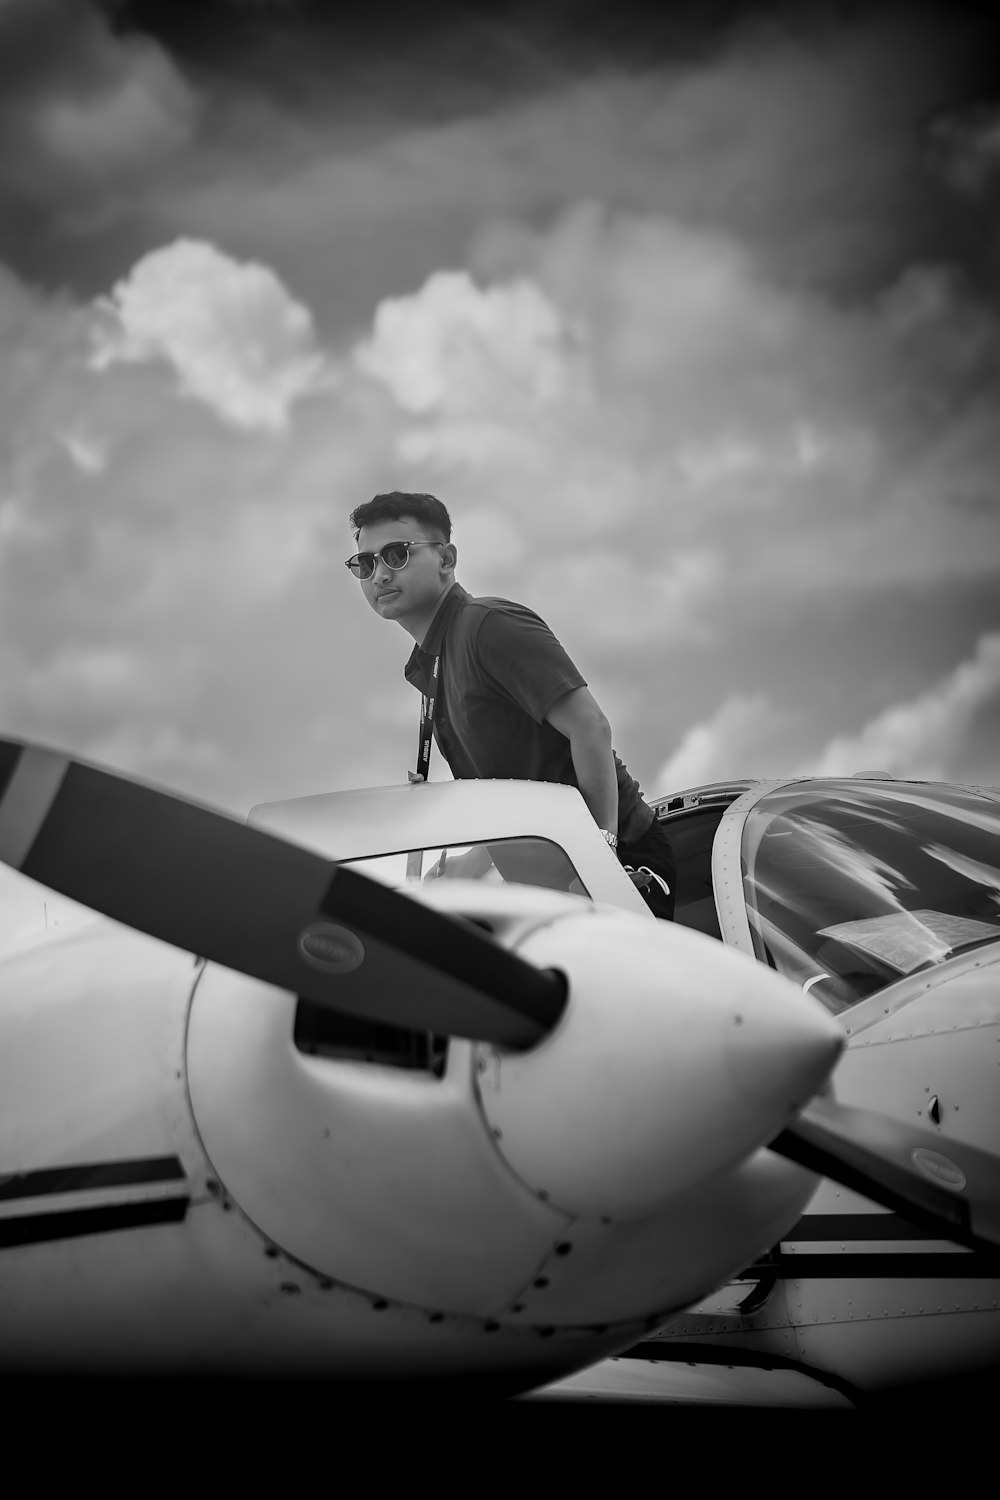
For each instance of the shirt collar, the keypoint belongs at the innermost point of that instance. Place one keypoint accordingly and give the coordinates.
(440, 620)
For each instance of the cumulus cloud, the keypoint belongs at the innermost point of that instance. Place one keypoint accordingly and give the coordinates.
(456, 346)
(734, 436)
(923, 737)
(236, 338)
(737, 741)
(170, 613)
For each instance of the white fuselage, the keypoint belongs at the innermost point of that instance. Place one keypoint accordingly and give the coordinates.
(184, 1190)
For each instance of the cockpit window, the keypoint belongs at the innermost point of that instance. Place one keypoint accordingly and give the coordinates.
(853, 888)
(528, 861)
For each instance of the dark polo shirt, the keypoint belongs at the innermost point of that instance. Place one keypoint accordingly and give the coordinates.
(501, 671)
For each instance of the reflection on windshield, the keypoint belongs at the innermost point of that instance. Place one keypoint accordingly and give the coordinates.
(853, 888)
(526, 861)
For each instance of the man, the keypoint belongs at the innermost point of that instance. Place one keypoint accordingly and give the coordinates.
(505, 699)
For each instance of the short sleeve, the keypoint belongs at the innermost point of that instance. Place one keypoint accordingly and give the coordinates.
(519, 652)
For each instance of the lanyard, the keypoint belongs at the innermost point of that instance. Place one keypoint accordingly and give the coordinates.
(427, 702)
(415, 858)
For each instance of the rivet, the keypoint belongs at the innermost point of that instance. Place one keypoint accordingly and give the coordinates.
(272, 1252)
(436, 1318)
(380, 1304)
(290, 1287)
(491, 1327)
(541, 1281)
(564, 1248)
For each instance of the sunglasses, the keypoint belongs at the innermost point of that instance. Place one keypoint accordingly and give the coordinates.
(395, 555)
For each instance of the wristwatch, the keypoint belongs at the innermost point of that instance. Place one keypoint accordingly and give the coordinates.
(612, 838)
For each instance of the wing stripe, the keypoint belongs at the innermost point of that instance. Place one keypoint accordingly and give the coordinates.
(91, 1176)
(884, 1226)
(35, 1229)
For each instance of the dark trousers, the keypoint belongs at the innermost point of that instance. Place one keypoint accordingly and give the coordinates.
(653, 850)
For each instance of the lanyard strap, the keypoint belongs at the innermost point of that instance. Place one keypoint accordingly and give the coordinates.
(427, 702)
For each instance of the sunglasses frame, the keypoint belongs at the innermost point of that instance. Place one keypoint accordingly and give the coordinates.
(363, 578)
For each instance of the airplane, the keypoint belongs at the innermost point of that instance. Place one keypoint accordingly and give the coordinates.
(305, 1099)
(853, 1301)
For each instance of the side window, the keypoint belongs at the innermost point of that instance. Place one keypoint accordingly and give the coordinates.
(526, 861)
(321, 1032)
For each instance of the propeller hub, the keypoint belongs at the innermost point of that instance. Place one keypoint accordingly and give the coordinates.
(674, 1059)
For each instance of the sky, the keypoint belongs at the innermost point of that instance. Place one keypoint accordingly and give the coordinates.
(689, 315)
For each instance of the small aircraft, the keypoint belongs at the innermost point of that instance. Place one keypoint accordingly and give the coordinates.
(277, 1116)
(882, 899)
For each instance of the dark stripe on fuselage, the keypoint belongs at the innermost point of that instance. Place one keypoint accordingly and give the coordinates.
(854, 1227)
(91, 1177)
(36, 1229)
(874, 1264)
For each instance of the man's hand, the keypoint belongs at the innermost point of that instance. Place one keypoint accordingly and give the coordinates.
(581, 720)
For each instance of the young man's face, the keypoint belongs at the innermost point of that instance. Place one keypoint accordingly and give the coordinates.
(412, 591)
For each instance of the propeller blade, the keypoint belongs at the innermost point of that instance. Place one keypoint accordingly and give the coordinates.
(945, 1186)
(246, 899)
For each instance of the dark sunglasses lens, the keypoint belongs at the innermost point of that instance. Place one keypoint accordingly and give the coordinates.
(362, 565)
(395, 554)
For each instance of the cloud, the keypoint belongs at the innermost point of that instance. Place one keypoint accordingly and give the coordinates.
(921, 738)
(925, 738)
(736, 742)
(965, 146)
(687, 348)
(455, 346)
(87, 452)
(235, 337)
(616, 601)
(84, 112)
(171, 614)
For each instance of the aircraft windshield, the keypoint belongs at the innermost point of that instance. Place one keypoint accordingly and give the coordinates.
(528, 861)
(852, 889)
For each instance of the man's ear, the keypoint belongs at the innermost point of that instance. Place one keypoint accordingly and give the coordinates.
(449, 557)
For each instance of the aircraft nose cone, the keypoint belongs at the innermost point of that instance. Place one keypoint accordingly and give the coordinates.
(780, 1055)
(674, 1059)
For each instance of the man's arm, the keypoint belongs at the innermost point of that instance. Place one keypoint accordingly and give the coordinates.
(579, 718)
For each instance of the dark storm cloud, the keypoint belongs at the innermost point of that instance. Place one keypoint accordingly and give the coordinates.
(82, 113)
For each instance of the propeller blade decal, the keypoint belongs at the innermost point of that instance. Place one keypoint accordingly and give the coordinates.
(944, 1185)
(246, 899)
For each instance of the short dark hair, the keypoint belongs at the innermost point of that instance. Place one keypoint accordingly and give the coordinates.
(401, 505)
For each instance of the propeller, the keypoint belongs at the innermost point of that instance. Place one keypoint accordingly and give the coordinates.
(214, 886)
(945, 1186)
(211, 885)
